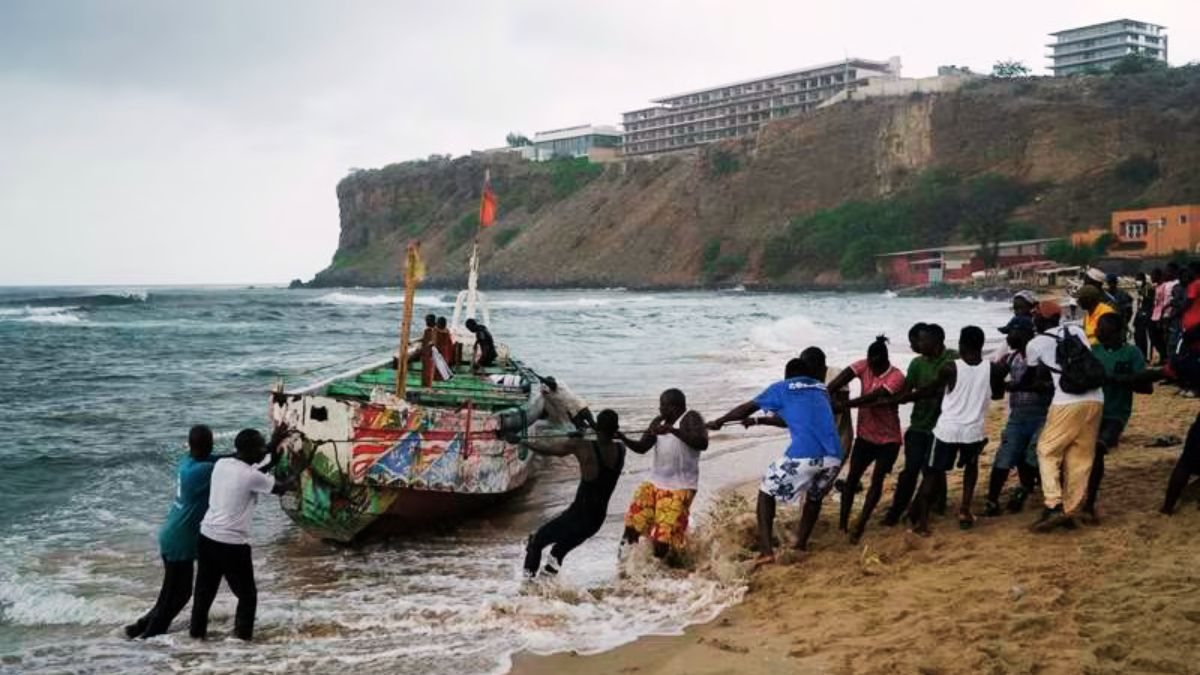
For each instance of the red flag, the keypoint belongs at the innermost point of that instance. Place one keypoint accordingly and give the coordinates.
(487, 202)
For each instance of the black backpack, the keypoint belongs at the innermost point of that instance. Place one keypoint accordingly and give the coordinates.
(1079, 369)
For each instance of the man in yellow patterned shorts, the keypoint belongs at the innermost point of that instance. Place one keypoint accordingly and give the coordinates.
(660, 506)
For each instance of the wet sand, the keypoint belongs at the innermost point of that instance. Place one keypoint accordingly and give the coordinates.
(1114, 598)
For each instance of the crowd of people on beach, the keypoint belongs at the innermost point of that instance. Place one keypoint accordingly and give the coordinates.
(1070, 391)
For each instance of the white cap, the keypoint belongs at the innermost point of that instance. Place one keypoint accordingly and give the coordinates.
(1096, 274)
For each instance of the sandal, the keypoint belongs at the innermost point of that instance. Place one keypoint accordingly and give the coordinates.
(965, 521)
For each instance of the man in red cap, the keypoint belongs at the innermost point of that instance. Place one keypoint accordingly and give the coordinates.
(1067, 444)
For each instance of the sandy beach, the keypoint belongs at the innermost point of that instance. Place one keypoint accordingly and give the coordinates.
(1114, 598)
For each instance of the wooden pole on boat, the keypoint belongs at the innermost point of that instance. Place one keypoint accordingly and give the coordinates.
(414, 271)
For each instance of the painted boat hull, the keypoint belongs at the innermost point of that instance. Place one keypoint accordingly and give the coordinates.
(382, 465)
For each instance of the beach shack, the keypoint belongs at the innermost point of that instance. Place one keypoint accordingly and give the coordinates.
(954, 264)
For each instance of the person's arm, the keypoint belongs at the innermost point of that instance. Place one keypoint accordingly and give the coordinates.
(647, 441)
(999, 372)
(277, 436)
(550, 449)
(738, 414)
(771, 420)
(843, 378)
(946, 379)
(881, 395)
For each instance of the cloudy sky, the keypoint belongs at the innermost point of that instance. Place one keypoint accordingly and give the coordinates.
(200, 142)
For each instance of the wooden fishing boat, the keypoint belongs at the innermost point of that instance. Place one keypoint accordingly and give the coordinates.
(386, 454)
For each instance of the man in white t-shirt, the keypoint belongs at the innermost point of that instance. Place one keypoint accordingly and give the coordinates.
(223, 551)
(1068, 440)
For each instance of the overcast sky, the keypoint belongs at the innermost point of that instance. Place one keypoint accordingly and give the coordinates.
(200, 142)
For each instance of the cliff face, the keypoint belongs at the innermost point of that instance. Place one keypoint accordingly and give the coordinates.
(660, 222)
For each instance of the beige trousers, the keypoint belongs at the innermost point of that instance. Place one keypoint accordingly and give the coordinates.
(1068, 445)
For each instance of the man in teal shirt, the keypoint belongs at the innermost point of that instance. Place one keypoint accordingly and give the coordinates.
(1125, 373)
(178, 536)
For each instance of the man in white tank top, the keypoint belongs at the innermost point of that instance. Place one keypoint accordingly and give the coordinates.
(959, 433)
(660, 506)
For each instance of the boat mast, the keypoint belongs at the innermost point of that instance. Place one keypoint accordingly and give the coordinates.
(412, 275)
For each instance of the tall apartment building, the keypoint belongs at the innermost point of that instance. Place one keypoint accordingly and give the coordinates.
(1100, 46)
(696, 117)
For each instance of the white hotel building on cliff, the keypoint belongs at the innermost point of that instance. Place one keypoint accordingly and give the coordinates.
(693, 118)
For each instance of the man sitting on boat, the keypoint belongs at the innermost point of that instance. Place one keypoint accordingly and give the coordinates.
(660, 507)
(600, 464)
(562, 407)
(485, 345)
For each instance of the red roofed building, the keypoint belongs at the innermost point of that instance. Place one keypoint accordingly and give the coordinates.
(953, 263)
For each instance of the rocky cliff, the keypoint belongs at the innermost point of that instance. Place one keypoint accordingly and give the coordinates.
(663, 222)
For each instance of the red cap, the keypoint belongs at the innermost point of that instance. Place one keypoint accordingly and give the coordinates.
(1047, 309)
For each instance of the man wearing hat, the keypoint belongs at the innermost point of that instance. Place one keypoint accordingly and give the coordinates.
(1023, 304)
(1067, 443)
(1028, 402)
(1091, 301)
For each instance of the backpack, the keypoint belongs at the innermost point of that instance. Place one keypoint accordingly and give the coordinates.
(1079, 369)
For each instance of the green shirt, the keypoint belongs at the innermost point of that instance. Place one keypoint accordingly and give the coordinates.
(924, 371)
(1124, 360)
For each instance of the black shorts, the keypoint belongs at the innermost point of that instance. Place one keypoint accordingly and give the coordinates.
(1110, 434)
(945, 454)
(882, 455)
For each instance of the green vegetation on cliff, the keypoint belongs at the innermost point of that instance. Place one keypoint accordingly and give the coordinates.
(939, 206)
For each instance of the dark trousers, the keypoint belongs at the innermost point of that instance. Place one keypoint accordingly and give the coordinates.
(1158, 340)
(1141, 336)
(172, 598)
(918, 447)
(566, 532)
(232, 563)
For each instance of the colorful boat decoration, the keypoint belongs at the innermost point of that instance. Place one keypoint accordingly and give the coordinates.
(386, 454)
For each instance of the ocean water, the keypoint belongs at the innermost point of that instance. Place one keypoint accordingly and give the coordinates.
(101, 384)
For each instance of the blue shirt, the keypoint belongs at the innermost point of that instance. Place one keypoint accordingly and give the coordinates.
(178, 536)
(803, 403)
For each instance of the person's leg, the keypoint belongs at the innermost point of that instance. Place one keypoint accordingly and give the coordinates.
(240, 577)
(547, 534)
(885, 459)
(583, 526)
(766, 524)
(815, 485)
(177, 584)
(1079, 456)
(639, 518)
(970, 462)
(860, 459)
(1110, 436)
(208, 580)
(138, 628)
(916, 454)
(933, 484)
(1187, 465)
(918, 513)
(1056, 434)
(1009, 454)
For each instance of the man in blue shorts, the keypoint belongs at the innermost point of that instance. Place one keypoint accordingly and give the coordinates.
(1028, 403)
(813, 459)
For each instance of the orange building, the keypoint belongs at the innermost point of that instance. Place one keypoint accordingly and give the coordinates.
(1160, 231)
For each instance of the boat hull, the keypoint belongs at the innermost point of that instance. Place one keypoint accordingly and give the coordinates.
(382, 465)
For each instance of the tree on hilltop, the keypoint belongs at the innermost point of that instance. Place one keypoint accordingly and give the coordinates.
(1136, 63)
(1010, 69)
(516, 139)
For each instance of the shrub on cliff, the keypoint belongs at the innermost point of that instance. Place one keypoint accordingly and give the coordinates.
(568, 174)
(939, 206)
